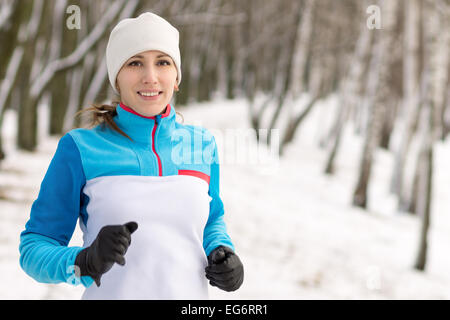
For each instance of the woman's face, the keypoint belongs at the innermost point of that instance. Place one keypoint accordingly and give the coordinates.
(146, 82)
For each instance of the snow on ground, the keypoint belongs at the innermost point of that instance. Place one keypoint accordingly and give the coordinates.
(293, 227)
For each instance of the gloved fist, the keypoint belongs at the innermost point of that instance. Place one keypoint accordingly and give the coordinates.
(109, 247)
(225, 269)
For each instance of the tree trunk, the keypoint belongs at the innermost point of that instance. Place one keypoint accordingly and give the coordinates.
(350, 88)
(432, 128)
(426, 182)
(12, 53)
(381, 64)
(297, 73)
(282, 76)
(301, 50)
(63, 41)
(441, 57)
(446, 113)
(410, 109)
(422, 199)
(388, 126)
(27, 116)
(360, 193)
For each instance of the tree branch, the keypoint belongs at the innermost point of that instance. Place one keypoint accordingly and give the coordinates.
(76, 56)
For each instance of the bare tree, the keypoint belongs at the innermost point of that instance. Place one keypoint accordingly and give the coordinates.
(410, 108)
(284, 59)
(34, 87)
(381, 64)
(432, 127)
(350, 90)
(27, 118)
(298, 69)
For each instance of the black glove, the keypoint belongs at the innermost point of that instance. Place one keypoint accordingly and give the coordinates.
(225, 269)
(110, 246)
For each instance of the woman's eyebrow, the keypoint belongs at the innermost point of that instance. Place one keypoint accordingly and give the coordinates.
(136, 57)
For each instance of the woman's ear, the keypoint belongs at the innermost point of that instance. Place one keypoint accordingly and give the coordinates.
(176, 88)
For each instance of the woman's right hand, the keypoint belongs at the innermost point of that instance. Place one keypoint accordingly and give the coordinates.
(109, 247)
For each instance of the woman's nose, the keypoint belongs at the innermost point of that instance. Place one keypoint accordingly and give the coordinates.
(150, 75)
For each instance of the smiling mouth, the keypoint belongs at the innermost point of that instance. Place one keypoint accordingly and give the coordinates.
(149, 94)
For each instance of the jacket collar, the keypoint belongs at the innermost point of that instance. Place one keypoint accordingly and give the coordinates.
(140, 127)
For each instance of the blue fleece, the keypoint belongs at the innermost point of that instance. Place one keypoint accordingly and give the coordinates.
(84, 154)
(44, 254)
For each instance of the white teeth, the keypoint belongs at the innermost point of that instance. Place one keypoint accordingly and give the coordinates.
(148, 94)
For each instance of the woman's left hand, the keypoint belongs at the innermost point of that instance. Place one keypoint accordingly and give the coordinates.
(225, 269)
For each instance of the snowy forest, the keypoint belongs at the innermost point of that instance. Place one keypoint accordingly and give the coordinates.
(372, 70)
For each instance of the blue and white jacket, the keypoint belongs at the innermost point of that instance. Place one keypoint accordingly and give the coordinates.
(166, 179)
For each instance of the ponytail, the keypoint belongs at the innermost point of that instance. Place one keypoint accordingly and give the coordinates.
(103, 114)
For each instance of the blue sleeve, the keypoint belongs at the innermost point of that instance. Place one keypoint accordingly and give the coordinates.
(44, 251)
(46, 261)
(215, 233)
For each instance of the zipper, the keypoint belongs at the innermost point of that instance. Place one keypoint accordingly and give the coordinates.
(154, 146)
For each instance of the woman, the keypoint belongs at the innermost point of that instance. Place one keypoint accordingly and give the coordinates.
(133, 193)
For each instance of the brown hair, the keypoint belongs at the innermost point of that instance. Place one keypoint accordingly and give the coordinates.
(103, 114)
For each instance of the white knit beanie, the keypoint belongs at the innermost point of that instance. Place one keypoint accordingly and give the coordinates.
(134, 35)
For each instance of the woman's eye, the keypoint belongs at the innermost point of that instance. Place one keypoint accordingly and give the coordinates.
(164, 62)
(134, 63)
